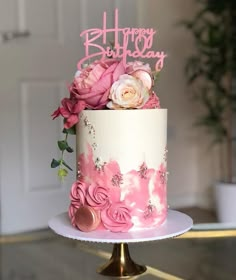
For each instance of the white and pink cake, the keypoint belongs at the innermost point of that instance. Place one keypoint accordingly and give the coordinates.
(122, 168)
(120, 139)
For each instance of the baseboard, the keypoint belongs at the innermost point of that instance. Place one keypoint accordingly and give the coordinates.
(190, 200)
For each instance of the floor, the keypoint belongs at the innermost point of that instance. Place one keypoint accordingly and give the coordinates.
(45, 256)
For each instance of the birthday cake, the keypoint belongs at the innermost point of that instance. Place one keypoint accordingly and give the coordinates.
(121, 151)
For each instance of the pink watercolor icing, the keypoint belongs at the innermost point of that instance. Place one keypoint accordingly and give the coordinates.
(134, 199)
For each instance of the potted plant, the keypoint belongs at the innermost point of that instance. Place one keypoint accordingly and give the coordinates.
(211, 71)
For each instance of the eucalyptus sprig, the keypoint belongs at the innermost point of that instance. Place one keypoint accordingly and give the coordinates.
(155, 75)
(63, 146)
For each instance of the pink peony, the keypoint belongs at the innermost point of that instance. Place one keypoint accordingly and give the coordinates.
(128, 93)
(97, 196)
(77, 193)
(117, 217)
(137, 65)
(152, 103)
(93, 84)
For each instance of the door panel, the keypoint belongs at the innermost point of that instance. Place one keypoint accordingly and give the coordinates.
(34, 73)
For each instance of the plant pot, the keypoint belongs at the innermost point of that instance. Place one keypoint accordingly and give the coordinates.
(225, 198)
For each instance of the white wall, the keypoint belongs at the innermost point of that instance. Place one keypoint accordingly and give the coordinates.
(192, 166)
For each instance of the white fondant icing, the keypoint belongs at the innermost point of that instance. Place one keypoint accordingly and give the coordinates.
(136, 140)
(130, 137)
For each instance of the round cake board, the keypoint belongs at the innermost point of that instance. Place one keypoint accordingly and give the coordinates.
(176, 224)
(121, 264)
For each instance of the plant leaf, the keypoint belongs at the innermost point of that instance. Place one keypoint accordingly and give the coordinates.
(71, 130)
(62, 145)
(66, 165)
(55, 163)
(69, 150)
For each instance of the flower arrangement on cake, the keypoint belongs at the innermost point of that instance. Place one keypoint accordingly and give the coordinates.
(105, 84)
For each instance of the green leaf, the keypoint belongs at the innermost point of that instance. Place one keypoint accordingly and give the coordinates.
(63, 145)
(156, 75)
(71, 130)
(66, 165)
(69, 150)
(55, 163)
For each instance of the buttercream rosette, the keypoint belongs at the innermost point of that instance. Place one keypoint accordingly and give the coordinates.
(117, 217)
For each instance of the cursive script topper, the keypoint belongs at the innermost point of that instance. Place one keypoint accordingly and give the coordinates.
(128, 43)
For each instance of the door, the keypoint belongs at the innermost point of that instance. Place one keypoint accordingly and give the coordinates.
(38, 58)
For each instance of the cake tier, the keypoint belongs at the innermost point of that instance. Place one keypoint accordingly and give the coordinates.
(122, 167)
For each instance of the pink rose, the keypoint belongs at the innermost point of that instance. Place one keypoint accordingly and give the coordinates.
(137, 65)
(128, 93)
(117, 217)
(97, 196)
(56, 113)
(152, 103)
(77, 193)
(93, 84)
(70, 111)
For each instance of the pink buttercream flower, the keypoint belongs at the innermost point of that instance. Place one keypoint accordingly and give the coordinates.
(117, 217)
(77, 193)
(97, 196)
(93, 84)
(137, 65)
(128, 93)
(152, 103)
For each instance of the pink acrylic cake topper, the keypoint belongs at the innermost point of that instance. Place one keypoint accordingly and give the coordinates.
(140, 38)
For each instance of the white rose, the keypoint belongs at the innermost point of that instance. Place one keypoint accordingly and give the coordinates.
(127, 93)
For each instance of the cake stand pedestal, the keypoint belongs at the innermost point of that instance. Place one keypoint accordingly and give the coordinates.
(120, 264)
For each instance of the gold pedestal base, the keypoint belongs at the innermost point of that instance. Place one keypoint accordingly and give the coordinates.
(120, 264)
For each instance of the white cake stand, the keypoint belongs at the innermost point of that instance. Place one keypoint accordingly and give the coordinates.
(120, 264)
